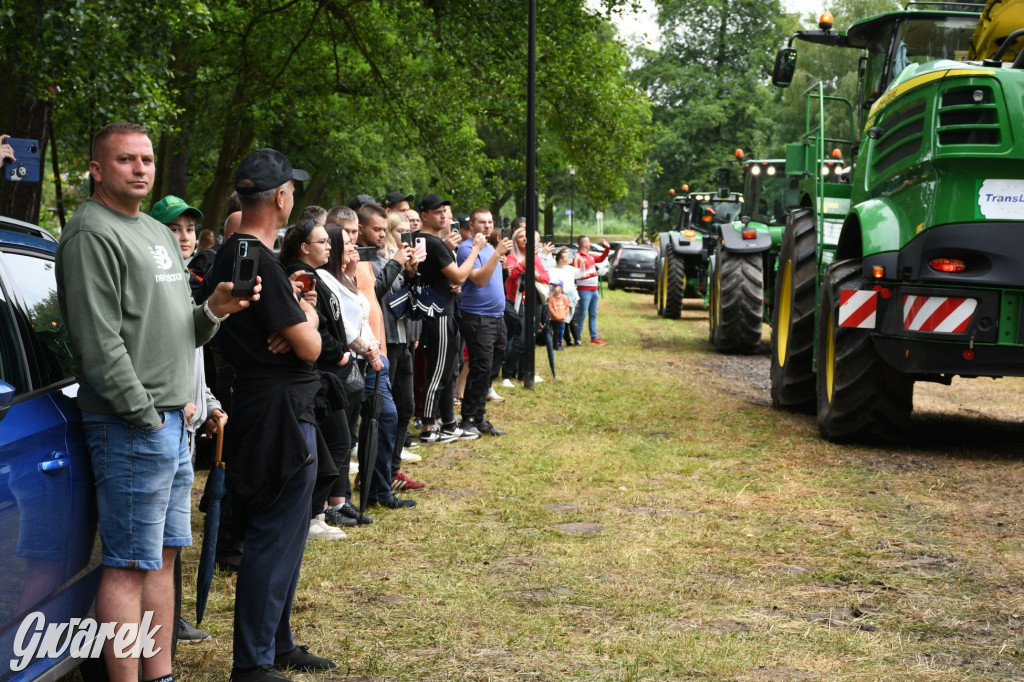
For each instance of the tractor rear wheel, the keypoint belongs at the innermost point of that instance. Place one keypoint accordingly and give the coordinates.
(736, 297)
(659, 291)
(792, 358)
(859, 396)
(675, 285)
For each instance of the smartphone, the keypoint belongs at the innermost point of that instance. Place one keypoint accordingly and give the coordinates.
(421, 249)
(549, 239)
(247, 263)
(27, 153)
(368, 253)
(407, 238)
(306, 280)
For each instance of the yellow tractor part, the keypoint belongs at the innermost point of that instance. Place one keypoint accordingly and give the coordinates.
(998, 20)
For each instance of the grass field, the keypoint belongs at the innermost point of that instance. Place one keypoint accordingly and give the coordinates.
(650, 517)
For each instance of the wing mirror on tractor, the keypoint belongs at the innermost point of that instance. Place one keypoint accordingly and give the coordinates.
(724, 177)
(785, 58)
(785, 67)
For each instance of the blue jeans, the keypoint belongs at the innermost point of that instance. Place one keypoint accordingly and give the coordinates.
(143, 487)
(588, 305)
(558, 333)
(387, 425)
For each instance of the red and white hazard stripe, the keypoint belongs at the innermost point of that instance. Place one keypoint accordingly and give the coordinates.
(937, 313)
(857, 308)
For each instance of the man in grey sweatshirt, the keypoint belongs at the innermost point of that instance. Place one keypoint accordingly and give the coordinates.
(124, 295)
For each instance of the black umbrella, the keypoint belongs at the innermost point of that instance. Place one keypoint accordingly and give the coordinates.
(210, 505)
(368, 437)
(551, 350)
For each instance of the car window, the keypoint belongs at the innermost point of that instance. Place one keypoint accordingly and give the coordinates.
(46, 336)
(12, 366)
(637, 256)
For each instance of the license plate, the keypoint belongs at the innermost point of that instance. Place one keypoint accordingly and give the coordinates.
(636, 274)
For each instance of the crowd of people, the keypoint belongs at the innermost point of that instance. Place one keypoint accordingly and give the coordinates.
(372, 328)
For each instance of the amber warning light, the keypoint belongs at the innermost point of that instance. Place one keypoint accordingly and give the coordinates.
(825, 21)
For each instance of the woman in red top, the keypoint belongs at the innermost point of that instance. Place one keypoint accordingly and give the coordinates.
(586, 284)
(515, 264)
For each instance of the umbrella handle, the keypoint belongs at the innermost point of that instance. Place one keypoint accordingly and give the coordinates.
(220, 441)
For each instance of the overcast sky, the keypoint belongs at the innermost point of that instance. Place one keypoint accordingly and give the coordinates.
(641, 23)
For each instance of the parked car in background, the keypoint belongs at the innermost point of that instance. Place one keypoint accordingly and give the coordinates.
(632, 267)
(49, 547)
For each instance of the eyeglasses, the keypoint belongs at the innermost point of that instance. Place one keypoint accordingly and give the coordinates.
(321, 242)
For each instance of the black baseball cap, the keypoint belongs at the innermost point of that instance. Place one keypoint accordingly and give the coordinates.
(265, 169)
(432, 202)
(360, 200)
(392, 198)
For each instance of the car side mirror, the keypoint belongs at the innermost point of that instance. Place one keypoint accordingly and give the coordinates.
(6, 398)
(785, 67)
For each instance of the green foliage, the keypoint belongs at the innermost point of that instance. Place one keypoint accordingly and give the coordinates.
(707, 84)
(369, 96)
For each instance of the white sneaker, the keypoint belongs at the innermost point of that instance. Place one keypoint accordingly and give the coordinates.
(493, 396)
(507, 383)
(408, 456)
(537, 379)
(320, 530)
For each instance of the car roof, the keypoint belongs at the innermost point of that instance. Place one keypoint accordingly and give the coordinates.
(19, 233)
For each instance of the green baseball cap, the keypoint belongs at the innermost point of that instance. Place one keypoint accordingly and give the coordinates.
(170, 207)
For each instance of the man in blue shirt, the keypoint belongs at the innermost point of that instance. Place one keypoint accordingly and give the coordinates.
(482, 322)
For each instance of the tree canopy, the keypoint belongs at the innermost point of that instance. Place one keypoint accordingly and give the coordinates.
(368, 95)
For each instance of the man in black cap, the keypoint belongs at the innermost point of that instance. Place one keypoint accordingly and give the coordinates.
(440, 332)
(360, 200)
(270, 453)
(396, 202)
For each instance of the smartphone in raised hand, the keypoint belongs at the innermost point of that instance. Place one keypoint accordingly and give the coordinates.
(247, 262)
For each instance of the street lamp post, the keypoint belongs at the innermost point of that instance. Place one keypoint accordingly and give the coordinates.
(643, 209)
(572, 199)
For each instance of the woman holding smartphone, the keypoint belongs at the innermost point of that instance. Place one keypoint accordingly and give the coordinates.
(305, 248)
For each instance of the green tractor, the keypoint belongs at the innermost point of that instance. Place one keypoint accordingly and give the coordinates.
(911, 268)
(742, 268)
(683, 253)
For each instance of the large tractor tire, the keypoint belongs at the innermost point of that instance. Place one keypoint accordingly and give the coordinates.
(659, 290)
(859, 396)
(792, 370)
(675, 285)
(712, 270)
(735, 300)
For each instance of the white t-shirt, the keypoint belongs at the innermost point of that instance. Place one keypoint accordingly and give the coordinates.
(355, 310)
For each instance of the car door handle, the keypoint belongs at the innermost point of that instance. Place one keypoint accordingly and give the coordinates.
(58, 460)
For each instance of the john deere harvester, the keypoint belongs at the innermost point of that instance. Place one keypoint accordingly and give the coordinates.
(912, 268)
(683, 252)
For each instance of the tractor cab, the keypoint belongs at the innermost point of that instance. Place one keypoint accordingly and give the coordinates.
(896, 44)
(768, 195)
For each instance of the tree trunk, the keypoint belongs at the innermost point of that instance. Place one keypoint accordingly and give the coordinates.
(237, 138)
(549, 217)
(25, 118)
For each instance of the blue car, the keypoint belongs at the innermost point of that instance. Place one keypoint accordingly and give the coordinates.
(49, 545)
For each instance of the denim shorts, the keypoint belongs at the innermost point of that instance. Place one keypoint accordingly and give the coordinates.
(143, 481)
